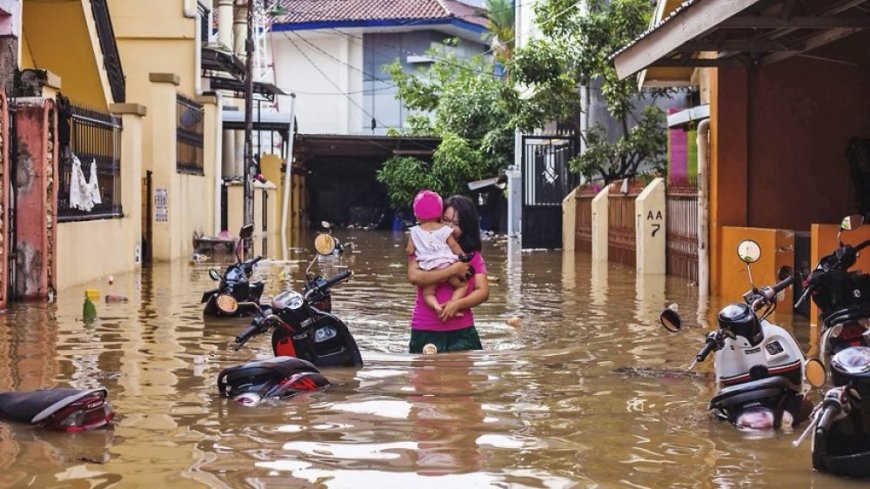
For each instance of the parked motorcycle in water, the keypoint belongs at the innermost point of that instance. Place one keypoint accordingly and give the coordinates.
(305, 336)
(759, 366)
(236, 295)
(841, 422)
(62, 409)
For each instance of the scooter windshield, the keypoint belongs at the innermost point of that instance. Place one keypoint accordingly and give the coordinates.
(235, 274)
(855, 360)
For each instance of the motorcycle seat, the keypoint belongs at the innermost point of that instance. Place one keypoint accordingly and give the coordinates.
(262, 370)
(35, 406)
(768, 387)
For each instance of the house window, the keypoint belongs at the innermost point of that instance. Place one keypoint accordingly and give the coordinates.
(189, 141)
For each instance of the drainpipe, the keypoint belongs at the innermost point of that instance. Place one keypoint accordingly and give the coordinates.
(703, 211)
(219, 171)
(288, 178)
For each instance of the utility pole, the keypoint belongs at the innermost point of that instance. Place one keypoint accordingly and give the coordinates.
(249, 170)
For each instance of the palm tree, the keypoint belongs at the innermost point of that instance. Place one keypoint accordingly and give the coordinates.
(500, 22)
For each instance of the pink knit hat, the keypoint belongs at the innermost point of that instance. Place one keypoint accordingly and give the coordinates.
(427, 205)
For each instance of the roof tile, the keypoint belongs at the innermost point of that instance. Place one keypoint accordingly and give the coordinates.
(305, 11)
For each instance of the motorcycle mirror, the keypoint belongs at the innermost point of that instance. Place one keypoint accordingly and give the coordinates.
(814, 372)
(671, 320)
(227, 303)
(850, 222)
(247, 231)
(748, 251)
(214, 274)
(324, 244)
(325, 225)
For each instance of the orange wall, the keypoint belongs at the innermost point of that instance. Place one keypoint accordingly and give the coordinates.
(802, 114)
(778, 142)
(777, 251)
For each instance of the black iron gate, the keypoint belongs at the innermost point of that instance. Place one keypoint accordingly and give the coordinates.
(547, 179)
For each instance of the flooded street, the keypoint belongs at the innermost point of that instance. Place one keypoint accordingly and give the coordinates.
(588, 392)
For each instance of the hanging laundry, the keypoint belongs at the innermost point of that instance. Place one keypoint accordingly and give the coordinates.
(94, 184)
(80, 195)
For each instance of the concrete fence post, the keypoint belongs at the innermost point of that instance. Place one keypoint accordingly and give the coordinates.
(650, 228)
(600, 210)
(569, 220)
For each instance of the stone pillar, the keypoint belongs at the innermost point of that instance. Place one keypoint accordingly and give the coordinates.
(131, 178)
(650, 229)
(600, 220)
(5, 178)
(166, 224)
(35, 198)
(212, 138)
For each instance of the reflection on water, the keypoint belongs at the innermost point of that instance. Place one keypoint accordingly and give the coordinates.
(587, 391)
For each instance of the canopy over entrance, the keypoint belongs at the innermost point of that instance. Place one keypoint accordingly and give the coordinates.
(711, 33)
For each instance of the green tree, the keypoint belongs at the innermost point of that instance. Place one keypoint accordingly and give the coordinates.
(500, 19)
(460, 101)
(579, 37)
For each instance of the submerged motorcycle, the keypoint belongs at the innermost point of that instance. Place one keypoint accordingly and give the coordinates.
(305, 336)
(841, 422)
(236, 295)
(62, 409)
(759, 366)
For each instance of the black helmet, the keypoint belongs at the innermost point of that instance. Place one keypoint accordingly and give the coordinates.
(741, 320)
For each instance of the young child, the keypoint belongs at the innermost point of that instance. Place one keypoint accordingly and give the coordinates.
(434, 246)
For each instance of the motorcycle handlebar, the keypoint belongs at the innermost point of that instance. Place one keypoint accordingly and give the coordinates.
(708, 347)
(829, 410)
(338, 277)
(779, 287)
(246, 335)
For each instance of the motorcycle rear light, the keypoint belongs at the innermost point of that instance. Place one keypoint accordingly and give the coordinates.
(83, 415)
(852, 331)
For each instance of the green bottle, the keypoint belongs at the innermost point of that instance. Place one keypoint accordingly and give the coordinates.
(89, 310)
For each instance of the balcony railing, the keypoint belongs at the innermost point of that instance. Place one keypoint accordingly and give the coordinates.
(111, 58)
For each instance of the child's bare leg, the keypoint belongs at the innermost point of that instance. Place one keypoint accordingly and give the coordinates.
(459, 285)
(429, 297)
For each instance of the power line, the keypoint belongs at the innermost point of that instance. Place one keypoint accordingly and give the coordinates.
(314, 65)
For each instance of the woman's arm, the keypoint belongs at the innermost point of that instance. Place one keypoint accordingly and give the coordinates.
(421, 278)
(476, 297)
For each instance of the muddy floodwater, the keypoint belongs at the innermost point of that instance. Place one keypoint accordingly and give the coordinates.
(588, 391)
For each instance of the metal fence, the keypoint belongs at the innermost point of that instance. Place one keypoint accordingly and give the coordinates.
(189, 139)
(95, 140)
(682, 231)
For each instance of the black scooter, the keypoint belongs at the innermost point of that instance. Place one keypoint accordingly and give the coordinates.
(841, 422)
(62, 409)
(236, 295)
(305, 336)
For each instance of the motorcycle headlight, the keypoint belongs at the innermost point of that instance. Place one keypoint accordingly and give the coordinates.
(227, 303)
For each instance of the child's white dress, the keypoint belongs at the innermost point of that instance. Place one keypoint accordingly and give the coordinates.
(431, 247)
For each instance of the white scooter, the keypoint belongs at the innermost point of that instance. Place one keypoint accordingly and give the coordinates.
(759, 365)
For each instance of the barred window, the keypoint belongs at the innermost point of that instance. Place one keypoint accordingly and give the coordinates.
(188, 122)
(95, 141)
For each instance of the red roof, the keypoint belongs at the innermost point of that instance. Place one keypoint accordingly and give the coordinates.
(306, 11)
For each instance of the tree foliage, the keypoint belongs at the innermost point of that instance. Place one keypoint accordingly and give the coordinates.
(579, 38)
(460, 101)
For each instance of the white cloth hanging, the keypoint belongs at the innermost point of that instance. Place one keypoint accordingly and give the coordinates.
(94, 184)
(80, 194)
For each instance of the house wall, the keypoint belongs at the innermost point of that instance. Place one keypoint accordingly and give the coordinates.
(380, 97)
(327, 79)
(778, 142)
(158, 44)
(90, 250)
